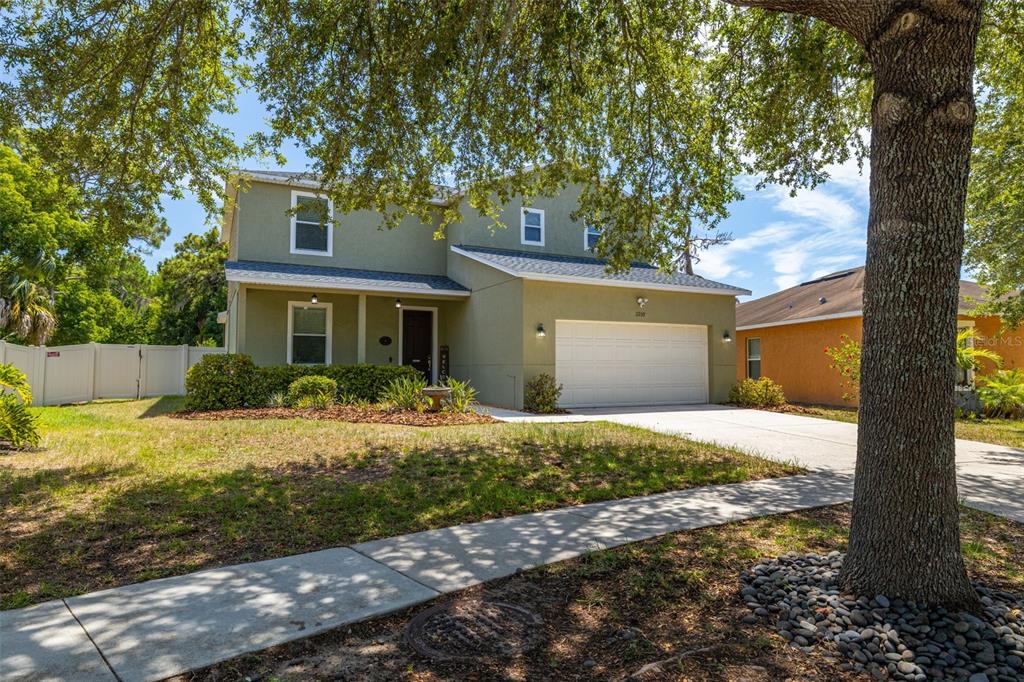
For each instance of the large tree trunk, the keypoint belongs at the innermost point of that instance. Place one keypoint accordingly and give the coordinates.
(905, 541)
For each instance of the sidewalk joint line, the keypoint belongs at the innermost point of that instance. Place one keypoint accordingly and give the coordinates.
(87, 634)
(392, 568)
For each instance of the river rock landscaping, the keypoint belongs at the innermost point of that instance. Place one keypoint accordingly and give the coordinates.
(888, 638)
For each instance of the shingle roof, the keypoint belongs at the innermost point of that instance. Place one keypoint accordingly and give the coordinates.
(341, 278)
(834, 295)
(570, 268)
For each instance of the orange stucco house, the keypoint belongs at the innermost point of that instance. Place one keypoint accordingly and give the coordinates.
(783, 336)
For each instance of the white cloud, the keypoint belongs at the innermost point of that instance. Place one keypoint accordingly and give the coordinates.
(818, 205)
(787, 281)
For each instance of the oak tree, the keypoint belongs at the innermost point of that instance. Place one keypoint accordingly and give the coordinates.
(653, 109)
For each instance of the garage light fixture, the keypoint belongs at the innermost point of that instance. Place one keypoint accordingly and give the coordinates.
(726, 338)
(540, 330)
(313, 299)
(642, 302)
(398, 303)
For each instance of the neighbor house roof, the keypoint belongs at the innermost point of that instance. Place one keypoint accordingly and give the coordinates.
(443, 194)
(582, 270)
(836, 295)
(319, 277)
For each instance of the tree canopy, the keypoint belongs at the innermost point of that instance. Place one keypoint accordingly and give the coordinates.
(653, 108)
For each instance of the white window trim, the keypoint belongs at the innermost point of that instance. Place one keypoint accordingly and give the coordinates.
(330, 225)
(746, 350)
(433, 331)
(589, 230)
(292, 305)
(522, 226)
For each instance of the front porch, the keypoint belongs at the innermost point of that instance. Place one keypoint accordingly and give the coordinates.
(314, 321)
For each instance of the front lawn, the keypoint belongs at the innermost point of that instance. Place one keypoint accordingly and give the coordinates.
(1009, 432)
(120, 492)
(668, 605)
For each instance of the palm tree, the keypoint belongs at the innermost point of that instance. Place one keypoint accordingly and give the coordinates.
(26, 308)
(968, 357)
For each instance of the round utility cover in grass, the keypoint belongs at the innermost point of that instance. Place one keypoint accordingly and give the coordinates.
(469, 630)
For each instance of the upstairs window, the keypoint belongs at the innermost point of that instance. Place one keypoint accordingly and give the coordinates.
(753, 358)
(312, 224)
(309, 333)
(533, 227)
(590, 236)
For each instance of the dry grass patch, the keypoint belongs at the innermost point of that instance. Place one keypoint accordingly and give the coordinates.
(122, 492)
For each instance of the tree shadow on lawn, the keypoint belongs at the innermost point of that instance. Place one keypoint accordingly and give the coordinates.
(605, 615)
(163, 406)
(126, 528)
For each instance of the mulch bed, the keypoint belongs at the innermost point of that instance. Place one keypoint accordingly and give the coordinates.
(344, 413)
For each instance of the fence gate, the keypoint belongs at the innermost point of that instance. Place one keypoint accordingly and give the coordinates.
(69, 374)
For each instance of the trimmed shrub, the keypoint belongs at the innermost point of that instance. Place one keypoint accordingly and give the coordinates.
(462, 397)
(542, 394)
(222, 382)
(313, 391)
(406, 393)
(761, 392)
(17, 424)
(358, 383)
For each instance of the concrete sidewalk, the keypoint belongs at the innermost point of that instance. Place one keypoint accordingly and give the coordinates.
(155, 629)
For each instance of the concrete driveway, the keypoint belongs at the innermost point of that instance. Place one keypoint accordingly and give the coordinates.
(991, 476)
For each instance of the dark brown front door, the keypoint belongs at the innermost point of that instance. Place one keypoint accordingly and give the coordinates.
(417, 341)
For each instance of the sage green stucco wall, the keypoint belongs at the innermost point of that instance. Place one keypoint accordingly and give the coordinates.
(266, 325)
(382, 320)
(562, 235)
(545, 302)
(487, 346)
(264, 234)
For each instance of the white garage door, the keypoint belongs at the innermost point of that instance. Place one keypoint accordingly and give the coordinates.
(625, 363)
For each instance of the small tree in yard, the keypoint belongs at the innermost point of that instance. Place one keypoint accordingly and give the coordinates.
(846, 360)
(653, 109)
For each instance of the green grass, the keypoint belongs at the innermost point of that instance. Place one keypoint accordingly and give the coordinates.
(121, 492)
(1009, 432)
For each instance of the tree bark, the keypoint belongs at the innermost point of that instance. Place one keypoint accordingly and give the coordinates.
(905, 538)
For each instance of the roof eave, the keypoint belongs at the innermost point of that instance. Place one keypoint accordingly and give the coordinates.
(310, 183)
(597, 281)
(317, 282)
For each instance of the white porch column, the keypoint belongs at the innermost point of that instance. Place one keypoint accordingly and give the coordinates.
(361, 331)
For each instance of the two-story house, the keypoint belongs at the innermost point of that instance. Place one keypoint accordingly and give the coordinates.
(496, 306)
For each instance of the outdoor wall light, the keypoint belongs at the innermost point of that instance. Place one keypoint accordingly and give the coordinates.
(726, 338)
(642, 302)
(540, 330)
(398, 303)
(313, 299)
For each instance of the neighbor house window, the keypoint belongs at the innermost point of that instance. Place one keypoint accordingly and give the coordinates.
(312, 224)
(590, 236)
(309, 333)
(754, 358)
(533, 226)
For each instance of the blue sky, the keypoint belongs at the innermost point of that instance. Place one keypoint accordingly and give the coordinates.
(779, 240)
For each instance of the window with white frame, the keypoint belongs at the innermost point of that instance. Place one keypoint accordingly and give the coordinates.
(312, 224)
(754, 358)
(309, 333)
(533, 226)
(590, 236)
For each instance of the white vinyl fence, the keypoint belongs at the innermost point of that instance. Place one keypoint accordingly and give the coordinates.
(70, 374)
